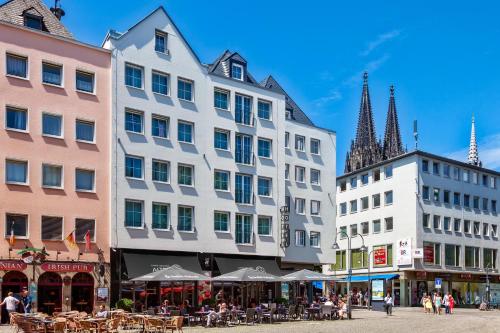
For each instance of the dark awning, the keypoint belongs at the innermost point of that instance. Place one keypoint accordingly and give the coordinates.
(227, 265)
(141, 264)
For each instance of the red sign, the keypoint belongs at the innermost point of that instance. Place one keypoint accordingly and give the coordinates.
(380, 256)
(12, 266)
(67, 267)
(429, 254)
(421, 275)
(466, 276)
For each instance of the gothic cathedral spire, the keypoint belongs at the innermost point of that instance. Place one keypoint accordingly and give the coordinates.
(392, 137)
(473, 154)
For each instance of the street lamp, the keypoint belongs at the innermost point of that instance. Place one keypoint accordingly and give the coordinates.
(369, 291)
(363, 248)
(487, 269)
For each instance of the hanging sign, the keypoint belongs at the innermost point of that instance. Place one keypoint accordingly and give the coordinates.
(404, 252)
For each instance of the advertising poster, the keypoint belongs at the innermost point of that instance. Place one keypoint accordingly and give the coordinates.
(380, 255)
(102, 294)
(377, 290)
(404, 252)
(429, 254)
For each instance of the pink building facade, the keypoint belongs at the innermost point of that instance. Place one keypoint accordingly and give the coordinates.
(55, 164)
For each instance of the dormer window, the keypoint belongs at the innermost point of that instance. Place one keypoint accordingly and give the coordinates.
(237, 72)
(288, 114)
(33, 22)
(161, 42)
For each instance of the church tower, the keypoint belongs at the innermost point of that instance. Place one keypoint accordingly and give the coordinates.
(393, 145)
(473, 157)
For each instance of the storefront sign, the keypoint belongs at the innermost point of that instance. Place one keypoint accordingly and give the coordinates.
(404, 252)
(418, 253)
(12, 266)
(466, 276)
(380, 255)
(377, 290)
(67, 267)
(421, 275)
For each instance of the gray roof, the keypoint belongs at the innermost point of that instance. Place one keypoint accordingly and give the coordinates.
(221, 66)
(13, 12)
(297, 114)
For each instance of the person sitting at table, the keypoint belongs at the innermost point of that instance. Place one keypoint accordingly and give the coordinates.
(329, 301)
(216, 315)
(164, 307)
(185, 308)
(102, 313)
(343, 308)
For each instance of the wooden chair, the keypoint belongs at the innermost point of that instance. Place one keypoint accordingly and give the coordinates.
(153, 325)
(175, 324)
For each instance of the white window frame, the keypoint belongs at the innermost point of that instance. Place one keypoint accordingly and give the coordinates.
(17, 108)
(62, 125)
(318, 208)
(62, 176)
(17, 160)
(311, 140)
(242, 71)
(169, 172)
(81, 120)
(53, 64)
(141, 68)
(17, 55)
(297, 200)
(318, 183)
(93, 185)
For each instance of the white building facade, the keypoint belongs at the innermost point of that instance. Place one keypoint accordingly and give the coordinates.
(423, 217)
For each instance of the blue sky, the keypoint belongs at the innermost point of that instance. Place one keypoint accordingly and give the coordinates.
(442, 57)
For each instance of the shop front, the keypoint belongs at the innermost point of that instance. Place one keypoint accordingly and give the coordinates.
(14, 280)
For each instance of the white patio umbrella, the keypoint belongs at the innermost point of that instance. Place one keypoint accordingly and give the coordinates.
(307, 275)
(171, 274)
(247, 274)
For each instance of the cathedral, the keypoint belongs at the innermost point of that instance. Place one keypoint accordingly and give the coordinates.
(366, 149)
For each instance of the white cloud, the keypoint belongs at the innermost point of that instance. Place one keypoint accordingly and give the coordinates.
(381, 39)
(489, 152)
(370, 67)
(333, 95)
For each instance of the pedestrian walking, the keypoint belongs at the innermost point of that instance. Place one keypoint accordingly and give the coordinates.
(10, 303)
(27, 301)
(388, 303)
(452, 303)
(438, 302)
(428, 304)
(446, 302)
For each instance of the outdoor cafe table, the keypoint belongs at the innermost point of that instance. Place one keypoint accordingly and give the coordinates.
(313, 312)
(96, 322)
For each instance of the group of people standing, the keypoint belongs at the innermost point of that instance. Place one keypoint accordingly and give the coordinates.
(437, 301)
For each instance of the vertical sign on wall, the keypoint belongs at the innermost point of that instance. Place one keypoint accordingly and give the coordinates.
(404, 252)
(380, 255)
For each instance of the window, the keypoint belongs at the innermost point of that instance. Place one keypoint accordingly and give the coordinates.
(359, 259)
(243, 229)
(364, 179)
(221, 180)
(475, 202)
(426, 220)
(243, 189)
(388, 198)
(243, 110)
(364, 203)
(343, 186)
(52, 74)
(160, 42)
(354, 206)
(264, 226)
(185, 218)
(17, 119)
(388, 171)
(315, 207)
(467, 227)
(436, 194)
(52, 228)
(221, 99)
(134, 121)
(485, 180)
(494, 231)
(377, 227)
(300, 238)
(376, 175)
(264, 110)
(159, 126)
(475, 178)
(471, 257)
(300, 142)
(456, 198)
(18, 223)
(452, 255)
(365, 228)
(159, 83)
(84, 82)
(315, 147)
(52, 125)
(288, 114)
(343, 208)
(477, 228)
(314, 239)
(446, 197)
(185, 89)
(16, 172)
(354, 230)
(85, 180)
(52, 176)
(185, 131)
(343, 232)
(432, 253)
(161, 219)
(17, 66)
(243, 153)
(457, 225)
(376, 200)
(425, 166)
(161, 171)
(33, 21)
(486, 230)
(85, 131)
(185, 175)
(436, 222)
(426, 193)
(446, 223)
(466, 175)
(237, 72)
(300, 206)
(287, 171)
(300, 174)
(340, 261)
(493, 182)
(467, 201)
(264, 186)
(485, 204)
(133, 214)
(489, 258)
(133, 167)
(315, 177)
(354, 182)
(446, 170)
(287, 140)
(133, 76)
(493, 206)
(436, 168)
(389, 224)
(221, 139)
(82, 226)
(221, 221)
(264, 148)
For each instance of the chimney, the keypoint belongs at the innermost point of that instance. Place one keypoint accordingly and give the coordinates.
(57, 10)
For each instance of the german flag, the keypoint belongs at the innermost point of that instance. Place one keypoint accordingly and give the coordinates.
(71, 239)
